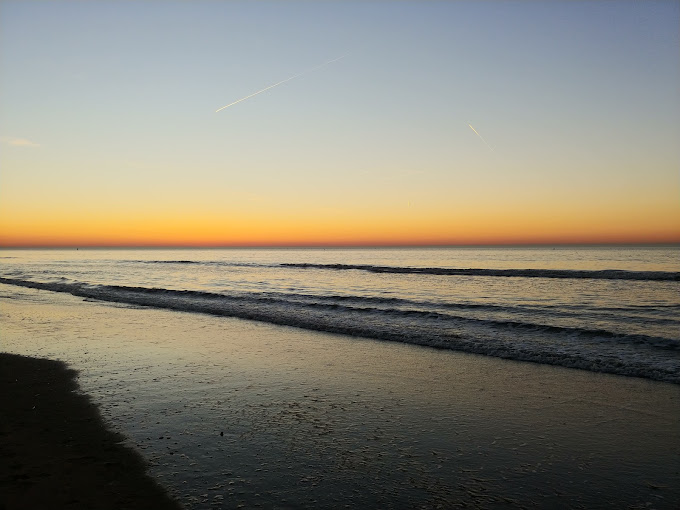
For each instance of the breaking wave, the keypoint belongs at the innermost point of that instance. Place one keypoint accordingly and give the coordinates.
(440, 325)
(605, 274)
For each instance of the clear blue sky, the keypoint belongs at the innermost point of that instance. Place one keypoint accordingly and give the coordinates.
(107, 119)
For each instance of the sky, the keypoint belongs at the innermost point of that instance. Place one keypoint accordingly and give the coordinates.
(436, 123)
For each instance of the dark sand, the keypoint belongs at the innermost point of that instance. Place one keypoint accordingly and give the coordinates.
(55, 451)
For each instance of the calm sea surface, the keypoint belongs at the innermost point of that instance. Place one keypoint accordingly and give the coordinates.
(613, 310)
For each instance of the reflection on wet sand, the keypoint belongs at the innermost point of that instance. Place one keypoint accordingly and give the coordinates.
(231, 412)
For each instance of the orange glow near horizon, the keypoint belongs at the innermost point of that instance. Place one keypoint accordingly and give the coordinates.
(328, 229)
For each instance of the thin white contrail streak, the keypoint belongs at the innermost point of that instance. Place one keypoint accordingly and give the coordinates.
(279, 83)
(480, 136)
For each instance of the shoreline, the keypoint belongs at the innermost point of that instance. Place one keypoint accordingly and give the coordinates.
(230, 412)
(618, 360)
(56, 450)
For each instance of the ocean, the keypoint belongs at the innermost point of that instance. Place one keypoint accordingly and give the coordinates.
(372, 378)
(614, 310)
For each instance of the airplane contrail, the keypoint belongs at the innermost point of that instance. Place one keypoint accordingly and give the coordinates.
(279, 83)
(481, 137)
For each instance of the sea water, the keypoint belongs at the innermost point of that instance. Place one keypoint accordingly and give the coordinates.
(307, 378)
(612, 309)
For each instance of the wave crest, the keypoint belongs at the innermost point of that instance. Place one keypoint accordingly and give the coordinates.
(590, 349)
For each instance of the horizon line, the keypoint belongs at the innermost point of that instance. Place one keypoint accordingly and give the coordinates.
(341, 245)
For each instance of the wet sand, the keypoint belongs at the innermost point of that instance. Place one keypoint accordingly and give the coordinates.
(232, 413)
(55, 451)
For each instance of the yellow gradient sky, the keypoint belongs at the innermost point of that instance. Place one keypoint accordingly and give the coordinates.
(109, 133)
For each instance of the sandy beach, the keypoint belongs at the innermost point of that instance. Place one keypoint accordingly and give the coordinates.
(230, 412)
(56, 451)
